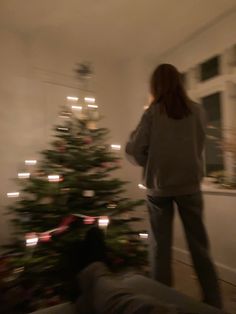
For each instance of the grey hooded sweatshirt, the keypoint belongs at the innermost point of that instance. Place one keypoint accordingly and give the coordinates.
(169, 150)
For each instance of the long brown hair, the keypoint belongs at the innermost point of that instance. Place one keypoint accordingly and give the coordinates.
(167, 90)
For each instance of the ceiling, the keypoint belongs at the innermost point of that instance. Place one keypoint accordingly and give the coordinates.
(118, 28)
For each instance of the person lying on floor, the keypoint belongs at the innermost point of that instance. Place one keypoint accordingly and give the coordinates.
(102, 293)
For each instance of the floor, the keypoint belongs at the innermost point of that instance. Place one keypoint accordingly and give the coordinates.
(189, 286)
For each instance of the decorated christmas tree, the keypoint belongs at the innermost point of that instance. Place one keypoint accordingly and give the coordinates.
(65, 192)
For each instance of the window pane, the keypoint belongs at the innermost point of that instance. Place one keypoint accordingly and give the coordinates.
(213, 153)
(210, 68)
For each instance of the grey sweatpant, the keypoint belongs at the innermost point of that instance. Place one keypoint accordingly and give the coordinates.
(102, 293)
(190, 208)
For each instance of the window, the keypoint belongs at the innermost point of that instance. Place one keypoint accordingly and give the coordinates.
(209, 68)
(213, 152)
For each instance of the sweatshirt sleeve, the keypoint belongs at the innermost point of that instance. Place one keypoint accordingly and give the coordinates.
(138, 143)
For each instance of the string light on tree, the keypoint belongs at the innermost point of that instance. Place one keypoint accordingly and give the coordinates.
(92, 106)
(72, 98)
(112, 205)
(31, 239)
(88, 193)
(54, 178)
(31, 162)
(65, 114)
(103, 222)
(24, 175)
(142, 187)
(115, 146)
(77, 108)
(90, 100)
(13, 194)
(62, 129)
(143, 235)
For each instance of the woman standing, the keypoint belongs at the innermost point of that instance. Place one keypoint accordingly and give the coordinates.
(168, 143)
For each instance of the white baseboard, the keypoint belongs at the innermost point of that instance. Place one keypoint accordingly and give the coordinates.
(225, 273)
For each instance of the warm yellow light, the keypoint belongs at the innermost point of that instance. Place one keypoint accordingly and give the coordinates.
(73, 98)
(13, 194)
(23, 175)
(89, 99)
(31, 239)
(103, 222)
(93, 106)
(63, 129)
(116, 146)
(54, 178)
(143, 235)
(142, 187)
(31, 162)
(76, 107)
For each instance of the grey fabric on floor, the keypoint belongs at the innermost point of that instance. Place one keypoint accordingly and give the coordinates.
(65, 308)
(143, 285)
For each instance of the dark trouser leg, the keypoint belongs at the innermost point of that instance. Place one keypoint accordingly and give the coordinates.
(190, 209)
(161, 213)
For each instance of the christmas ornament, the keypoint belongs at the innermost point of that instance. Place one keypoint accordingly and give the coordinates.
(88, 193)
(91, 125)
(65, 114)
(89, 220)
(88, 140)
(82, 116)
(94, 115)
(45, 237)
(46, 200)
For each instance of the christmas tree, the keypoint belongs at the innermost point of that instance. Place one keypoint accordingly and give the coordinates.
(63, 194)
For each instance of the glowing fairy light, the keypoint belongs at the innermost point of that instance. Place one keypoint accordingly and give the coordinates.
(103, 222)
(54, 178)
(90, 100)
(112, 205)
(142, 187)
(63, 129)
(92, 106)
(89, 220)
(76, 108)
(31, 239)
(23, 175)
(115, 146)
(13, 194)
(143, 235)
(73, 98)
(31, 162)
